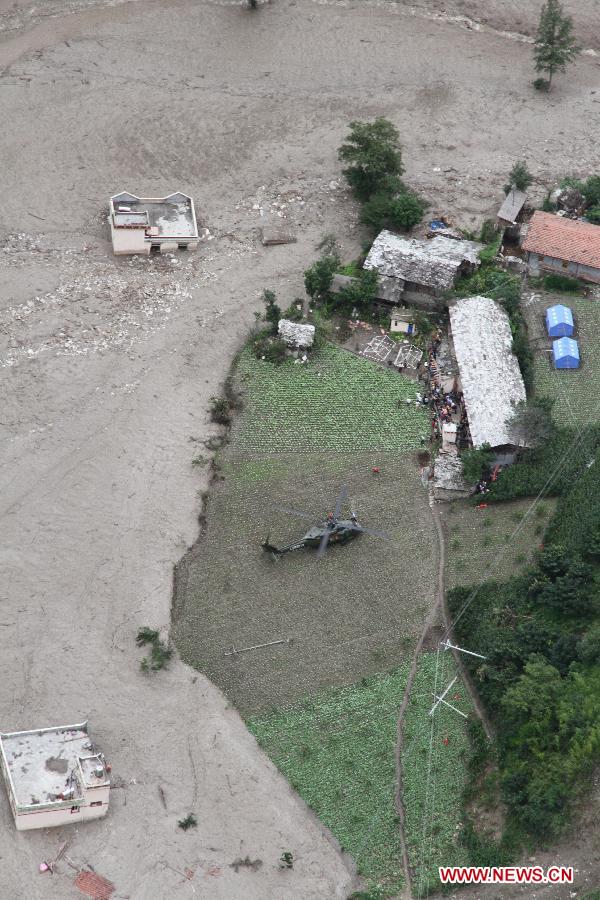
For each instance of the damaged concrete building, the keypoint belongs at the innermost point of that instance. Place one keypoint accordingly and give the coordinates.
(139, 224)
(420, 270)
(490, 378)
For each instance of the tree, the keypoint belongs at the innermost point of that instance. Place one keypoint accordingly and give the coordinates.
(555, 44)
(272, 311)
(373, 153)
(531, 423)
(360, 292)
(476, 461)
(318, 278)
(402, 212)
(519, 178)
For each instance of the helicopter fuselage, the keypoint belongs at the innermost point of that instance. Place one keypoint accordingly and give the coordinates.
(340, 532)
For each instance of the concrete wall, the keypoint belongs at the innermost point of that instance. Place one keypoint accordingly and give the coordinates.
(539, 264)
(63, 814)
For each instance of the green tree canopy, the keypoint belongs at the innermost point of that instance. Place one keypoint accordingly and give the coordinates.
(555, 44)
(372, 151)
(519, 178)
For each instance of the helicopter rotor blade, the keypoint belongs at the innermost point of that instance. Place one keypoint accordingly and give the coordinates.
(294, 512)
(340, 502)
(375, 533)
(323, 544)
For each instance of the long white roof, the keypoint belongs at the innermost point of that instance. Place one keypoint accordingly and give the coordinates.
(489, 372)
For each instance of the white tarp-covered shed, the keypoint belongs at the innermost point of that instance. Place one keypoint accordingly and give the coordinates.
(489, 372)
(295, 334)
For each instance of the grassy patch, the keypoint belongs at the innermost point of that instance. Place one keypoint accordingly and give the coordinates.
(496, 542)
(575, 391)
(435, 760)
(338, 402)
(338, 751)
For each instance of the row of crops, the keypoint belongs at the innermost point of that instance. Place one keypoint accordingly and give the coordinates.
(336, 402)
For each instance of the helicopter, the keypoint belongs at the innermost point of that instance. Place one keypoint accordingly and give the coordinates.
(333, 530)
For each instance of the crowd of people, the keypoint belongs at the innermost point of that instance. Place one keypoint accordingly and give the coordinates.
(446, 406)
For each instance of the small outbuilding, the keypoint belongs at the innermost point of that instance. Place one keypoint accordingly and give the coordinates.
(297, 335)
(559, 321)
(402, 321)
(565, 353)
(512, 207)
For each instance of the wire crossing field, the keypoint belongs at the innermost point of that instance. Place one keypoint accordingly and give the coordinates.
(576, 392)
(434, 772)
(337, 750)
(338, 402)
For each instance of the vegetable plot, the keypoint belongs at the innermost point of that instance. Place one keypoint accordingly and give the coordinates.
(337, 402)
(338, 751)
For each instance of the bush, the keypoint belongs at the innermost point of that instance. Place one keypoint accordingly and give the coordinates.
(519, 178)
(318, 278)
(271, 349)
(190, 821)
(562, 283)
(593, 215)
(220, 410)
(540, 84)
(294, 311)
(548, 205)
(160, 653)
(488, 232)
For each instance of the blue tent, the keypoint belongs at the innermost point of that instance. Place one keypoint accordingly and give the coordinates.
(565, 353)
(559, 321)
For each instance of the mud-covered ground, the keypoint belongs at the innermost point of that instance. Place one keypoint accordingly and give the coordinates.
(108, 364)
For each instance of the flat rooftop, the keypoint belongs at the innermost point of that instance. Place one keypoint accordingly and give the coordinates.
(40, 763)
(173, 216)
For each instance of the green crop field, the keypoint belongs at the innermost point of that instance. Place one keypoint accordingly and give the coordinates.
(339, 402)
(576, 392)
(338, 751)
(435, 755)
(496, 542)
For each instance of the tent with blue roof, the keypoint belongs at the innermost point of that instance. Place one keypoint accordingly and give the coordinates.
(559, 321)
(565, 353)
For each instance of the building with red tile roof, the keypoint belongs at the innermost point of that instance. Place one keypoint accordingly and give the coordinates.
(566, 246)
